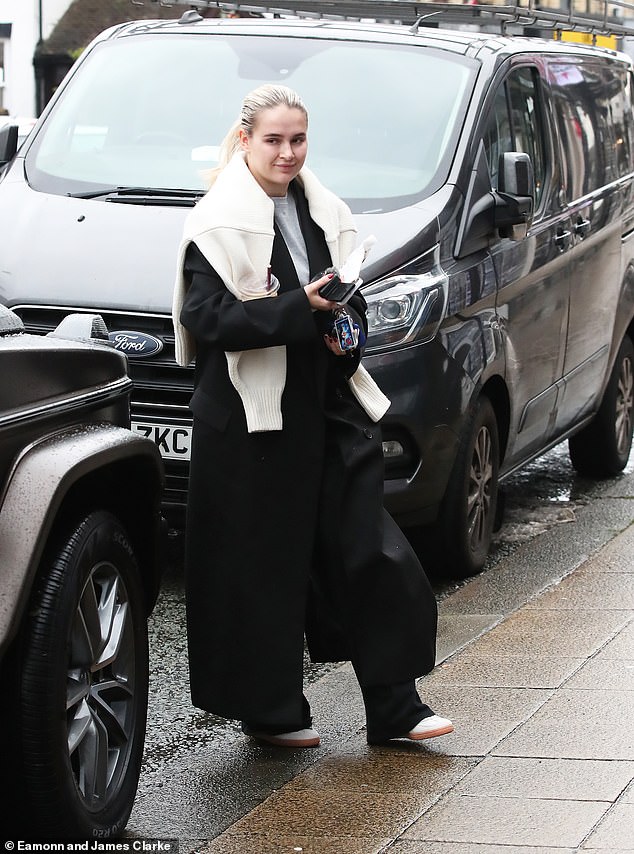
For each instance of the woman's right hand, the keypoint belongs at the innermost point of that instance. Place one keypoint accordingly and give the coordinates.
(318, 303)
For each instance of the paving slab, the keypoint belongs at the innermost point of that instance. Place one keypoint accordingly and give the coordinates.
(615, 831)
(317, 813)
(589, 589)
(541, 633)
(616, 555)
(508, 821)
(261, 843)
(428, 775)
(472, 669)
(601, 672)
(621, 647)
(410, 847)
(455, 631)
(557, 779)
(577, 724)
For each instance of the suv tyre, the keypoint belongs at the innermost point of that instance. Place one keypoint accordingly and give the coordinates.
(469, 511)
(82, 683)
(602, 449)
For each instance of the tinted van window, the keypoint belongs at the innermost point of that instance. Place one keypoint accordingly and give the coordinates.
(162, 128)
(587, 96)
(516, 125)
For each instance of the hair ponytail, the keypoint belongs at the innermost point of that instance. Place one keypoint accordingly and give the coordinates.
(230, 144)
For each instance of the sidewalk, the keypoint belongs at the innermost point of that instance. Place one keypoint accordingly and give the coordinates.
(542, 759)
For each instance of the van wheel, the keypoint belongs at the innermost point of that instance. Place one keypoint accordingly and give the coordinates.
(469, 507)
(81, 679)
(602, 449)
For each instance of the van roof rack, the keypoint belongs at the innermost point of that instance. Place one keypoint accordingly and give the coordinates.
(612, 17)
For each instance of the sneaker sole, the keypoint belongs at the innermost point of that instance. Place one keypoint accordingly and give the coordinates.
(444, 730)
(275, 741)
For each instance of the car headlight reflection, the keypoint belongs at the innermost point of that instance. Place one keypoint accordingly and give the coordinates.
(405, 309)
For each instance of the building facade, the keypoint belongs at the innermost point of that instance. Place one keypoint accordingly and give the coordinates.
(40, 40)
(23, 25)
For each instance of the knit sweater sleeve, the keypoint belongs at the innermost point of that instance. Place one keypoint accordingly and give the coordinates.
(216, 318)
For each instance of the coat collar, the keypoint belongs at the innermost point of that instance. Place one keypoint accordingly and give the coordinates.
(237, 201)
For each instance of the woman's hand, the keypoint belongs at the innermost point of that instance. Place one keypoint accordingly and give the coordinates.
(318, 303)
(333, 345)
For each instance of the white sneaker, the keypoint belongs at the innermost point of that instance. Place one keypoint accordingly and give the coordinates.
(430, 727)
(298, 738)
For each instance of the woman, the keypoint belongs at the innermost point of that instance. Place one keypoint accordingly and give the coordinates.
(286, 532)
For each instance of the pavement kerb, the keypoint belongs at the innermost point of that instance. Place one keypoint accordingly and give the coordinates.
(466, 617)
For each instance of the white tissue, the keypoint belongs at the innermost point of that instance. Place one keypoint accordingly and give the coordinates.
(351, 269)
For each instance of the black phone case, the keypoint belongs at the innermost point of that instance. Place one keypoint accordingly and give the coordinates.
(336, 290)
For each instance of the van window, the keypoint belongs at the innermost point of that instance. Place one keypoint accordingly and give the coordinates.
(516, 124)
(383, 139)
(619, 104)
(591, 116)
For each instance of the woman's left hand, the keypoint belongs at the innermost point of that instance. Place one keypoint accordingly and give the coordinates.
(318, 303)
(333, 346)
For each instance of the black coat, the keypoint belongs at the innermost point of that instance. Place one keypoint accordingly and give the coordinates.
(286, 533)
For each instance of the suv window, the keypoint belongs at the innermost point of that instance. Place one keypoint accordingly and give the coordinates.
(516, 125)
(397, 118)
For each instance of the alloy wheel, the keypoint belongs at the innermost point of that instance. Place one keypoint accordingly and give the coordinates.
(624, 405)
(480, 483)
(100, 686)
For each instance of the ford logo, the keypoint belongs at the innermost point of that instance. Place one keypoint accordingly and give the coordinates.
(136, 345)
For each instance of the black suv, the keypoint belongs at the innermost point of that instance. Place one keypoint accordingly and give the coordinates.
(80, 532)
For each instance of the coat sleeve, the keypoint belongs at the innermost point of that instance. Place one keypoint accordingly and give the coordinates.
(216, 318)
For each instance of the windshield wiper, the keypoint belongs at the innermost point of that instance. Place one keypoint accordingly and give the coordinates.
(142, 195)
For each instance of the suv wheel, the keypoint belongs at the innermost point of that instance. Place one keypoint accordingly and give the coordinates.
(82, 682)
(602, 449)
(469, 506)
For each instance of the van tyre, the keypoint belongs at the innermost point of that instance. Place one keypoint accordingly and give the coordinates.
(602, 449)
(469, 506)
(82, 685)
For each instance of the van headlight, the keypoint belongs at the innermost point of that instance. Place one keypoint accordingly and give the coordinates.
(407, 307)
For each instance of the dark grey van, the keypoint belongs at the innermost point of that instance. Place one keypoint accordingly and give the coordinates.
(497, 173)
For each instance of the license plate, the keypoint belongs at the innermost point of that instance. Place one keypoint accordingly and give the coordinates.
(174, 442)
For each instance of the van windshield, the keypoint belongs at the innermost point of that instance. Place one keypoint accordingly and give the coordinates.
(151, 111)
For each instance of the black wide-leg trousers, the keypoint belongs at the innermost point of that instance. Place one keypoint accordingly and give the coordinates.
(369, 601)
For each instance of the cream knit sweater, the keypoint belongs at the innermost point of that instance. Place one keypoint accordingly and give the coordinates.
(232, 225)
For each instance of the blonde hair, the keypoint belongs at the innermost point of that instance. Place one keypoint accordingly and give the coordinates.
(263, 98)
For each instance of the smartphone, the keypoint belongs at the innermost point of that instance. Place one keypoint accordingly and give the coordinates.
(338, 291)
(330, 287)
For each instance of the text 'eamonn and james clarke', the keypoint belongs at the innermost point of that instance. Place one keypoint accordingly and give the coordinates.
(127, 846)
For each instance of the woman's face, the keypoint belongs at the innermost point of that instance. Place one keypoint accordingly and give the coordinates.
(276, 150)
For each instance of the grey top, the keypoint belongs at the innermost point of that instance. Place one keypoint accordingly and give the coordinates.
(288, 223)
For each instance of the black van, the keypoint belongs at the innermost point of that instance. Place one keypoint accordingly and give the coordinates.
(496, 171)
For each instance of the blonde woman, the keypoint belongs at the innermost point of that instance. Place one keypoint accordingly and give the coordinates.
(286, 533)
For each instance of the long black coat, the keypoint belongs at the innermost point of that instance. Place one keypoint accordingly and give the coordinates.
(286, 532)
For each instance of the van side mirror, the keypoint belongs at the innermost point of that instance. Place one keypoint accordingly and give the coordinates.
(515, 196)
(477, 223)
(8, 143)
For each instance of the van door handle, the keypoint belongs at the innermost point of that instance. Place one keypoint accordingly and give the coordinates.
(582, 227)
(563, 239)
